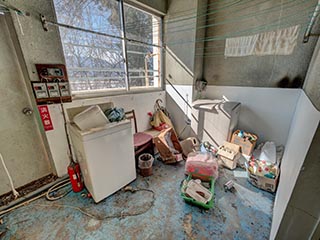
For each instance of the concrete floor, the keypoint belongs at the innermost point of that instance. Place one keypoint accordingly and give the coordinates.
(244, 214)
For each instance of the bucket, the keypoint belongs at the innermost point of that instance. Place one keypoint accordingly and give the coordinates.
(145, 164)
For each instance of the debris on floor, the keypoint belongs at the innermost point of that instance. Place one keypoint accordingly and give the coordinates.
(202, 165)
(247, 141)
(194, 189)
(231, 216)
(3, 229)
(264, 166)
(207, 147)
(228, 155)
(26, 189)
(189, 145)
(202, 170)
(198, 193)
(229, 186)
(168, 146)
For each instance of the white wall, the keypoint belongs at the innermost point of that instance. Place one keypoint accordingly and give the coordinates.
(142, 104)
(312, 81)
(304, 124)
(181, 78)
(265, 111)
(178, 109)
(186, 92)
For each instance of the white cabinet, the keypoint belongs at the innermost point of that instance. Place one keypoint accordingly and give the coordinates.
(106, 157)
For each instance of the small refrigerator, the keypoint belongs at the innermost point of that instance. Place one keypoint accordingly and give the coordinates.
(106, 157)
(215, 120)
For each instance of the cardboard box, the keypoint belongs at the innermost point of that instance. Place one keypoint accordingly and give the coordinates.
(263, 182)
(228, 155)
(247, 146)
(168, 146)
(268, 184)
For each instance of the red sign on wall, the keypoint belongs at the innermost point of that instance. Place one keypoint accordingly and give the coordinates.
(45, 117)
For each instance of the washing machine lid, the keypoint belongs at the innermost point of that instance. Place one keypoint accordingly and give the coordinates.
(100, 131)
(215, 105)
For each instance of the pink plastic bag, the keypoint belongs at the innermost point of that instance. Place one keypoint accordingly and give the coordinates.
(202, 166)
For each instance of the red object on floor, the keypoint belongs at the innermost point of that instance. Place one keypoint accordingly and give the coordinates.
(75, 177)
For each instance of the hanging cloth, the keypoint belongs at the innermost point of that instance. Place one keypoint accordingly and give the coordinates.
(279, 42)
(115, 114)
(240, 46)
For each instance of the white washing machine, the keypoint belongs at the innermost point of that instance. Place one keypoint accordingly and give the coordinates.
(216, 120)
(106, 157)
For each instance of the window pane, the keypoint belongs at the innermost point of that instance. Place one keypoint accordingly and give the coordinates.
(143, 65)
(94, 62)
(143, 61)
(102, 16)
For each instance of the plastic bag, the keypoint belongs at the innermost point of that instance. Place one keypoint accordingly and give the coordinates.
(268, 153)
(202, 165)
(160, 117)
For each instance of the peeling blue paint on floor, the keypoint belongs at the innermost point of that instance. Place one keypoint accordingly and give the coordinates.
(243, 214)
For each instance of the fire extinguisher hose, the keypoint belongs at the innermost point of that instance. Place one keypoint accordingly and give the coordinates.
(66, 182)
(55, 188)
(120, 215)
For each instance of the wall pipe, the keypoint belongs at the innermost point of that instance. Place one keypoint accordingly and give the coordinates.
(46, 22)
(311, 23)
(14, 191)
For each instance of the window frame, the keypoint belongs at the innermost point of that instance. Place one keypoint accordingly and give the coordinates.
(128, 89)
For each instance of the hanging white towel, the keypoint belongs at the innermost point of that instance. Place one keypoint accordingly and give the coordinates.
(240, 46)
(279, 42)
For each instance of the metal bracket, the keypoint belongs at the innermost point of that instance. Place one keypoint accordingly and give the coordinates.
(307, 33)
(306, 38)
(44, 23)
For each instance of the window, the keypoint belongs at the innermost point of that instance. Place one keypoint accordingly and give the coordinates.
(143, 61)
(102, 59)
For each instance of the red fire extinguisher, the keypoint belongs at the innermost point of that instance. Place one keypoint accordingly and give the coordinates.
(75, 177)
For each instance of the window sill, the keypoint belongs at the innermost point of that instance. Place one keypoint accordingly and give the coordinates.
(113, 92)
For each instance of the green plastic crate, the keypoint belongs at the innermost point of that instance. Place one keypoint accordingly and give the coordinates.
(208, 205)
